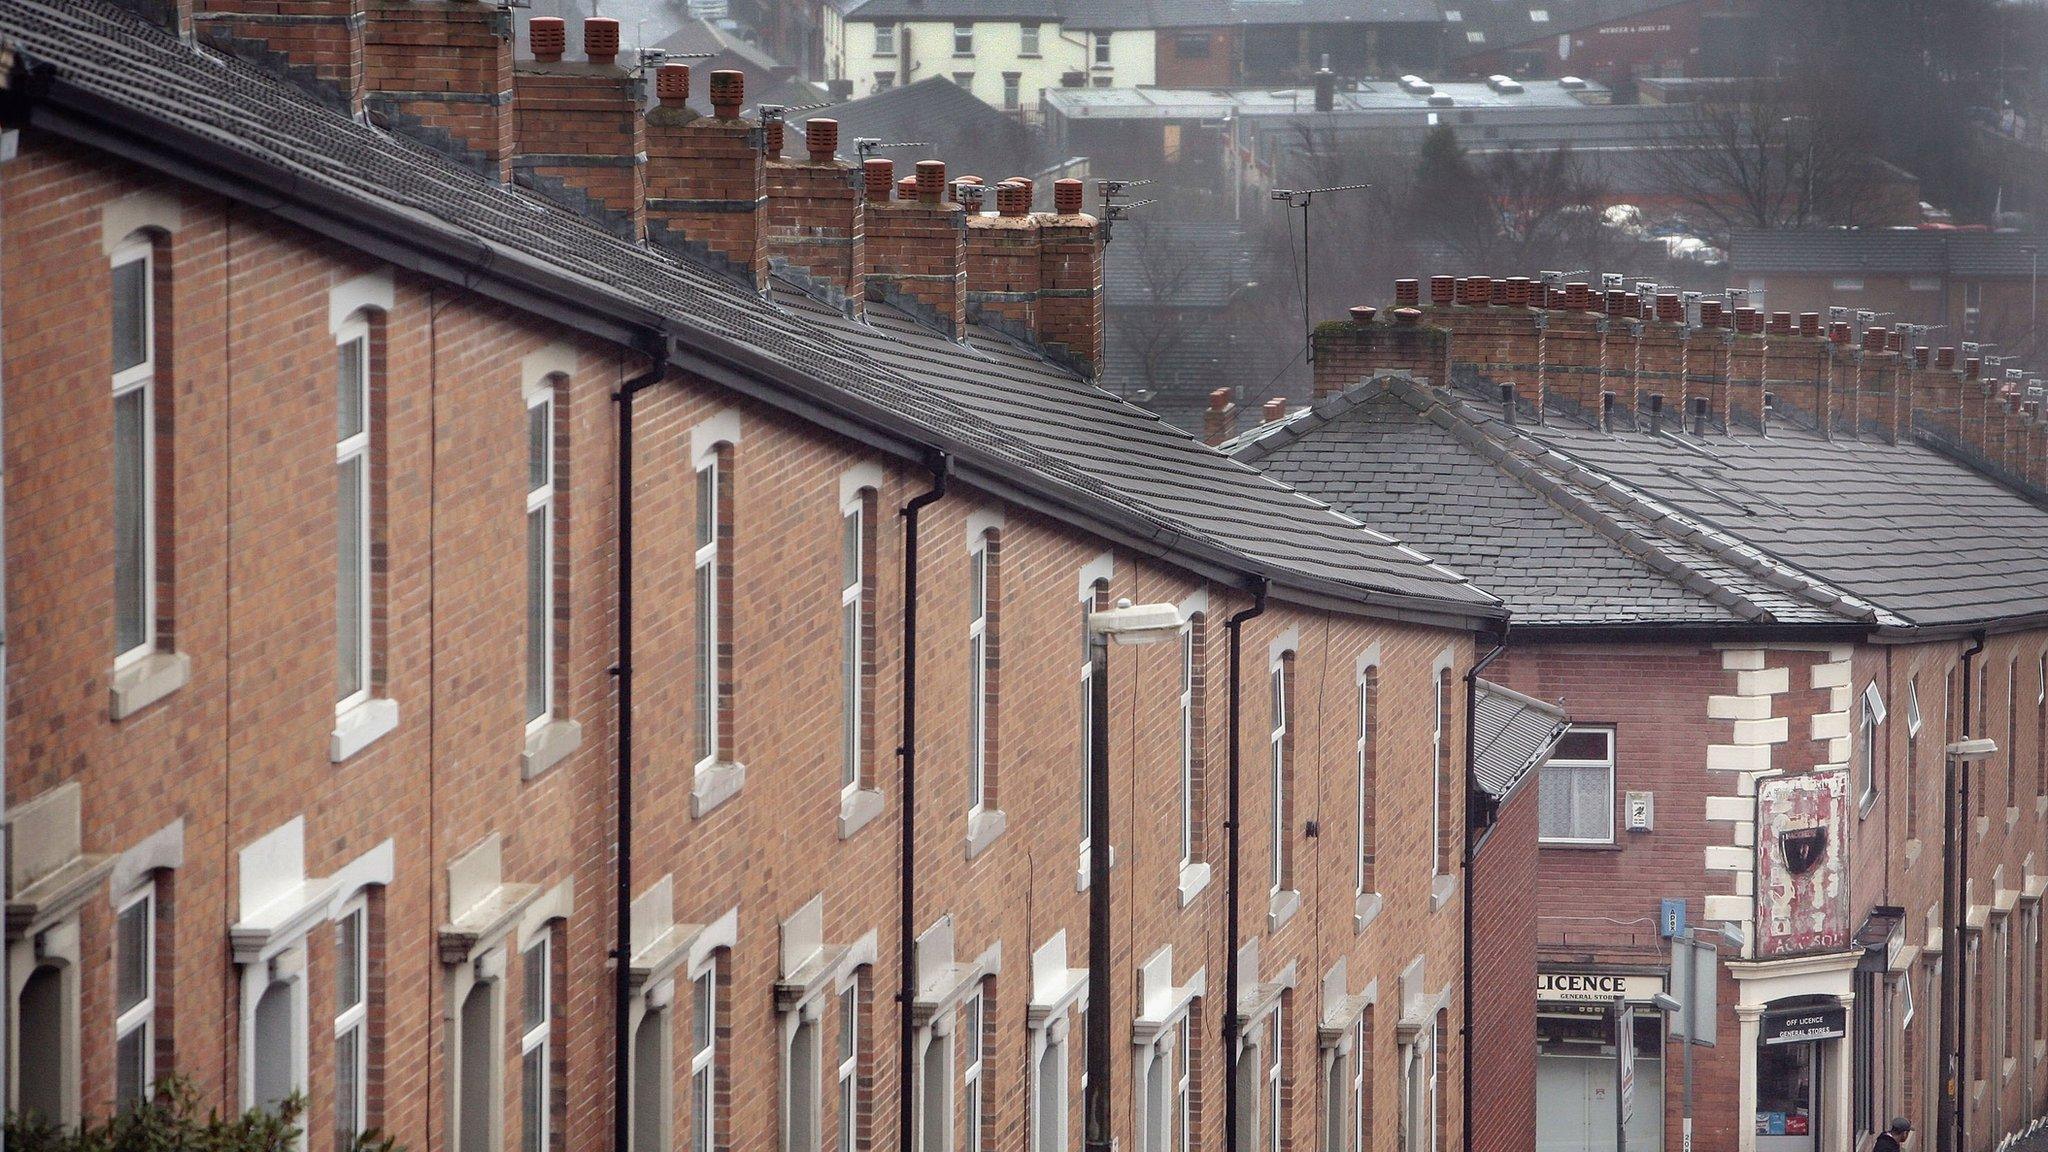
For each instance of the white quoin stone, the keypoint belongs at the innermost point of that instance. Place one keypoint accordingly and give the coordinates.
(1742, 659)
(1763, 682)
(1738, 707)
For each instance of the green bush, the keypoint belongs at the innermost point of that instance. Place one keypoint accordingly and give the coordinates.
(174, 1120)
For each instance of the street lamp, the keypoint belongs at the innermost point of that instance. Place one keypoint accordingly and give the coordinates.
(1955, 873)
(1127, 623)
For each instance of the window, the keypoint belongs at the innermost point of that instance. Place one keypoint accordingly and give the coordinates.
(1027, 40)
(963, 38)
(1367, 796)
(1576, 790)
(540, 559)
(477, 1088)
(1440, 794)
(2012, 733)
(973, 1040)
(704, 1024)
(42, 1020)
(1011, 82)
(1867, 719)
(535, 1069)
(352, 495)
(1848, 284)
(935, 1104)
(279, 1046)
(801, 1065)
(1913, 783)
(1276, 1079)
(850, 1110)
(1539, 15)
(2041, 731)
(884, 81)
(134, 999)
(856, 630)
(1279, 871)
(1924, 284)
(713, 581)
(1473, 36)
(1973, 308)
(135, 495)
(1336, 1093)
(1361, 1085)
(964, 80)
(1101, 82)
(351, 1026)
(1050, 1124)
(1191, 45)
(983, 587)
(1102, 49)
(885, 40)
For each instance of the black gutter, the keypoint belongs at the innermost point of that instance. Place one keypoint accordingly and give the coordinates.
(413, 240)
(1230, 977)
(622, 942)
(1955, 880)
(906, 754)
(1471, 851)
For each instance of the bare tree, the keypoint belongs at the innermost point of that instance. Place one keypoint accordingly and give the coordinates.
(1151, 321)
(1547, 208)
(1770, 153)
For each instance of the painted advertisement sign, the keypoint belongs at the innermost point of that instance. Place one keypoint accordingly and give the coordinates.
(1802, 863)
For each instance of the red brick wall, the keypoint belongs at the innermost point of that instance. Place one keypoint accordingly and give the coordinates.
(1504, 978)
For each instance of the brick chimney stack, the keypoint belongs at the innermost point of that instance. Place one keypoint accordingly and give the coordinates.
(1070, 281)
(1219, 423)
(440, 71)
(917, 246)
(815, 219)
(707, 181)
(1003, 261)
(316, 44)
(581, 140)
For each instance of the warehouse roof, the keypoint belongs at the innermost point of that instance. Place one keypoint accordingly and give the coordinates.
(1881, 251)
(119, 84)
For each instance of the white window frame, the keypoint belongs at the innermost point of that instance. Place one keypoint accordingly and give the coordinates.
(355, 1017)
(977, 676)
(1102, 57)
(142, 1015)
(853, 516)
(1610, 762)
(1183, 1085)
(1869, 721)
(1366, 801)
(356, 449)
(1028, 39)
(1913, 720)
(710, 488)
(1187, 746)
(1276, 1076)
(1439, 687)
(1361, 1076)
(885, 40)
(847, 1007)
(974, 1033)
(963, 37)
(1282, 716)
(704, 1009)
(141, 377)
(541, 499)
(537, 1038)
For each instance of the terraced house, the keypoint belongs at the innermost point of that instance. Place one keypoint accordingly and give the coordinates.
(541, 625)
(1780, 578)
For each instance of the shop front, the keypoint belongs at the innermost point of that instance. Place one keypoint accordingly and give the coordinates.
(1600, 1046)
(1795, 1041)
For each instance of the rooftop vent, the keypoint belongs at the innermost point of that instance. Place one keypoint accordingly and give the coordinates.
(1505, 85)
(1570, 83)
(1416, 86)
(1441, 100)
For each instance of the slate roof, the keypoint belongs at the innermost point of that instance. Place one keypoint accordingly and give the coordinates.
(1573, 526)
(1881, 251)
(128, 88)
(1177, 263)
(951, 124)
(1512, 735)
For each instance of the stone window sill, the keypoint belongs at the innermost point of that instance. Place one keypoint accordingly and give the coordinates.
(1365, 910)
(1441, 889)
(1194, 876)
(1983, 826)
(1913, 849)
(143, 682)
(2041, 805)
(2012, 816)
(982, 829)
(548, 745)
(1281, 907)
(716, 782)
(1082, 878)
(361, 726)
(857, 809)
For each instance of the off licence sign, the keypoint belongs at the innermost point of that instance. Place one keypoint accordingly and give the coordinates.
(1596, 987)
(1822, 1023)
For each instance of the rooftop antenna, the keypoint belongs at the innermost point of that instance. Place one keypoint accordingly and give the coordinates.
(1301, 198)
(868, 145)
(651, 58)
(1115, 208)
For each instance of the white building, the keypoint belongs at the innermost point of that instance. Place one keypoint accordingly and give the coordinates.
(1006, 52)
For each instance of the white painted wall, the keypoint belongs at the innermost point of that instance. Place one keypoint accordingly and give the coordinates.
(924, 48)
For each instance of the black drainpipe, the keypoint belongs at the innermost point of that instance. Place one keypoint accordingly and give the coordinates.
(1955, 1009)
(622, 945)
(1500, 645)
(906, 754)
(1230, 1104)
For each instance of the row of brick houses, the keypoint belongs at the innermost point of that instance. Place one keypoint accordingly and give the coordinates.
(550, 543)
(1772, 573)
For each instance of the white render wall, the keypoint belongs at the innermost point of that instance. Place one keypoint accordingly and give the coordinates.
(924, 48)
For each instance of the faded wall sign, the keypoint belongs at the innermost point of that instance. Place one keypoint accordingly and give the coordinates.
(1802, 863)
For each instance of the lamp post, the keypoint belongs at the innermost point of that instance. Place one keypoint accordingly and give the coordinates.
(1955, 882)
(1693, 940)
(1126, 623)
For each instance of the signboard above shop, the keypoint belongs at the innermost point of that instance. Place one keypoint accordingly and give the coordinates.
(1597, 987)
(1800, 1025)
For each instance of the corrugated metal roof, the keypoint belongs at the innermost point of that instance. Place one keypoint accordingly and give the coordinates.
(1512, 735)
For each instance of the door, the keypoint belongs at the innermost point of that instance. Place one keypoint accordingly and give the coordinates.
(1787, 1097)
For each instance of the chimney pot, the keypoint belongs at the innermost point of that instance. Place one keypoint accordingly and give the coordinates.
(1499, 292)
(1507, 405)
(1874, 339)
(1945, 357)
(1517, 291)
(771, 139)
(549, 38)
(1066, 196)
(1809, 324)
(821, 138)
(879, 175)
(1781, 323)
(1617, 302)
(1839, 333)
(1632, 306)
(1481, 288)
(1656, 413)
(1710, 313)
(906, 188)
(1669, 308)
(1972, 368)
(728, 92)
(672, 84)
(1219, 399)
(1699, 415)
(1408, 316)
(1921, 353)
(1407, 293)
(1895, 341)
(601, 39)
(1606, 411)
(1442, 289)
(1362, 314)
(1578, 297)
(931, 181)
(1013, 199)
(1275, 408)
